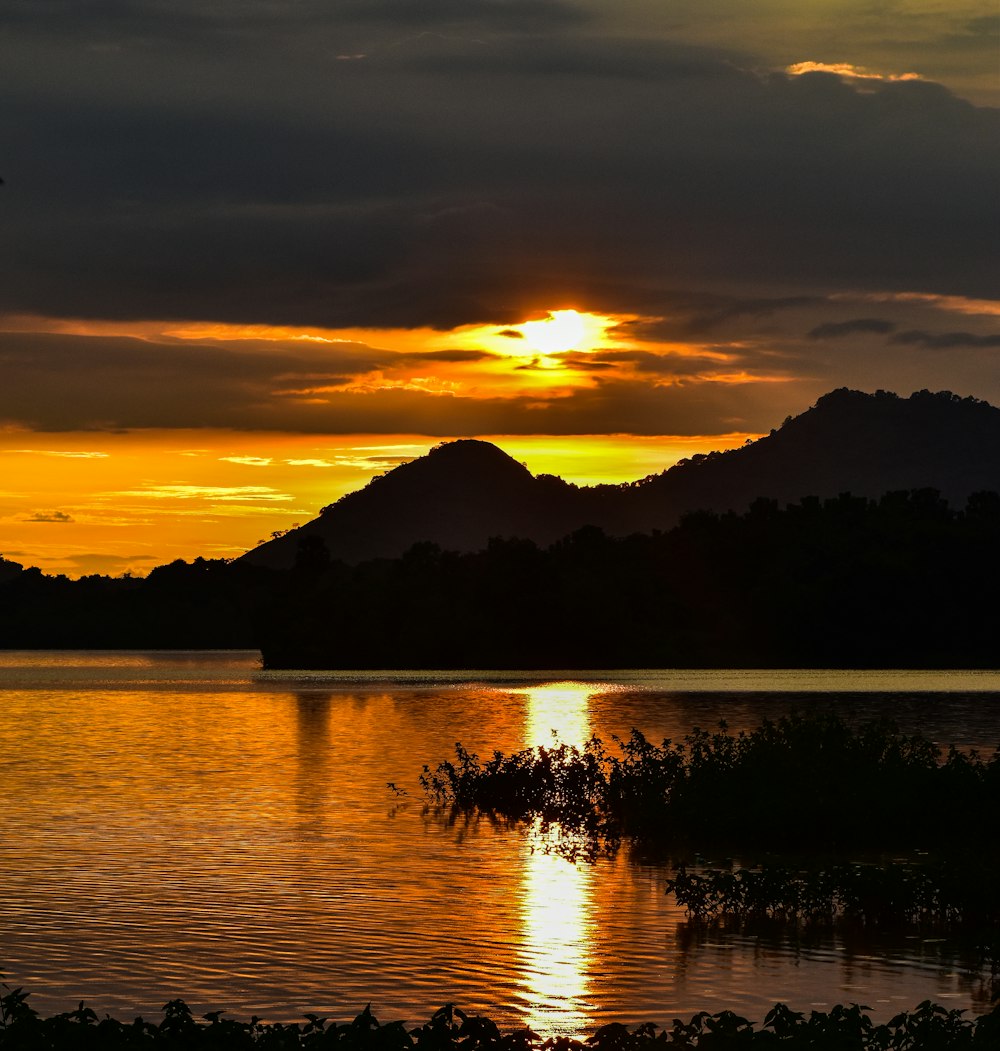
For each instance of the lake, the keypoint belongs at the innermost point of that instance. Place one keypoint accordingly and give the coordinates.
(185, 824)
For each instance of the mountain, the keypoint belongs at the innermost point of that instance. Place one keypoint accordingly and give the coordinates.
(464, 492)
(459, 495)
(864, 444)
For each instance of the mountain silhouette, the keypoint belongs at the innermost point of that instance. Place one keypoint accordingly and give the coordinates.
(459, 495)
(462, 493)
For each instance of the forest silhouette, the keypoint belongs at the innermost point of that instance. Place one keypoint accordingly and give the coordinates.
(902, 581)
(465, 492)
(537, 573)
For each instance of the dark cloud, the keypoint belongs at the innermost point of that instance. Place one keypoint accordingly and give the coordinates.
(457, 178)
(986, 27)
(476, 161)
(688, 314)
(446, 355)
(56, 382)
(50, 516)
(616, 406)
(506, 15)
(146, 21)
(945, 340)
(585, 363)
(651, 364)
(838, 329)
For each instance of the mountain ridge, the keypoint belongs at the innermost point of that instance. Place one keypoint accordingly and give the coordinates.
(462, 493)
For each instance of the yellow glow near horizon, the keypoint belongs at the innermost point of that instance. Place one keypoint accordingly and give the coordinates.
(99, 502)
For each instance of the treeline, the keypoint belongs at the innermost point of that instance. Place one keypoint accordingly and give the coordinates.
(205, 604)
(904, 581)
(848, 582)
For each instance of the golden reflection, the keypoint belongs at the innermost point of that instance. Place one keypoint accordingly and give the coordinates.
(556, 902)
(556, 929)
(560, 710)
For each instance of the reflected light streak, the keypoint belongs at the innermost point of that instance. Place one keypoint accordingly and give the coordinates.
(556, 925)
(560, 709)
(556, 903)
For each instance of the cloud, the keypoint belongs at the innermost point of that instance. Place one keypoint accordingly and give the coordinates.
(678, 315)
(66, 382)
(50, 516)
(485, 161)
(225, 493)
(946, 340)
(461, 178)
(249, 461)
(521, 16)
(431, 356)
(847, 70)
(354, 460)
(838, 329)
(948, 304)
(69, 454)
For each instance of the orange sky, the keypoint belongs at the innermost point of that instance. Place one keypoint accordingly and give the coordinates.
(125, 445)
(115, 500)
(108, 503)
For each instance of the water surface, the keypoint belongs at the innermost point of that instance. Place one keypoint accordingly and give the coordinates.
(185, 824)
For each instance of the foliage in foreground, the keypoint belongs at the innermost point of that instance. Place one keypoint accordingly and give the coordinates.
(928, 1028)
(942, 896)
(802, 782)
(955, 903)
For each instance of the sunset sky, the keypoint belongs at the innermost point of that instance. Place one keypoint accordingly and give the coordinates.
(255, 252)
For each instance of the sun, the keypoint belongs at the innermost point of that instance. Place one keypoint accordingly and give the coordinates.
(562, 331)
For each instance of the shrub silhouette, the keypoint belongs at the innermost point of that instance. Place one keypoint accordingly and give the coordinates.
(844, 1028)
(800, 782)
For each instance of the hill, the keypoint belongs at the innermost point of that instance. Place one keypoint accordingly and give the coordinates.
(459, 495)
(465, 492)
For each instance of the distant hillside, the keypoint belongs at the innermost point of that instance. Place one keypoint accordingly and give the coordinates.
(464, 492)
(864, 444)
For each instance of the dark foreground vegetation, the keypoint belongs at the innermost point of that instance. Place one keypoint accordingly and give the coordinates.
(904, 581)
(801, 783)
(927, 1028)
(797, 797)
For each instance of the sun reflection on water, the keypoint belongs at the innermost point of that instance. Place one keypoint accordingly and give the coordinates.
(558, 710)
(557, 899)
(556, 929)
